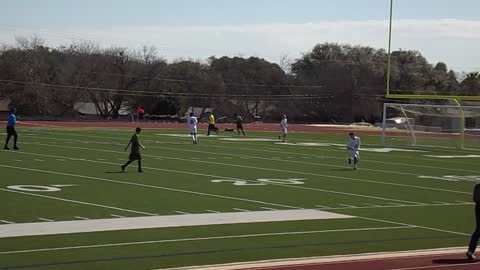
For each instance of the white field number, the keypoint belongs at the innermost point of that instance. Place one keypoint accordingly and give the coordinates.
(262, 181)
(455, 178)
(34, 188)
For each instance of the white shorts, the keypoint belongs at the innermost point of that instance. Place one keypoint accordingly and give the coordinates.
(354, 154)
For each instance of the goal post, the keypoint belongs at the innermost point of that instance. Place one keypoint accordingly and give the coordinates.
(442, 126)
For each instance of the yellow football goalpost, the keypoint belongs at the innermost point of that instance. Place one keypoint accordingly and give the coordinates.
(455, 99)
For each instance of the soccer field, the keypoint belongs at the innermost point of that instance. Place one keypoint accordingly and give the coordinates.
(178, 213)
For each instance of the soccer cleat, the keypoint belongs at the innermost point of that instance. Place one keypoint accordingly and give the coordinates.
(6, 148)
(349, 161)
(16, 148)
(140, 171)
(470, 255)
(123, 168)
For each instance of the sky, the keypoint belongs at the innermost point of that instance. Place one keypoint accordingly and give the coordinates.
(447, 31)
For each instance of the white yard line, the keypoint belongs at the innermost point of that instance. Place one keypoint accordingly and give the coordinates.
(75, 201)
(203, 239)
(270, 169)
(181, 212)
(241, 210)
(223, 177)
(152, 186)
(283, 153)
(347, 205)
(79, 217)
(6, 222)
(46, 219)
(268, 208)
(169, 221)
(117, 216)
(423, 227)
(212, 211)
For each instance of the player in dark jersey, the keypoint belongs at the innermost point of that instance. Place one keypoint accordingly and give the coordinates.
(134, 151)
(11, 122)
(239, 121)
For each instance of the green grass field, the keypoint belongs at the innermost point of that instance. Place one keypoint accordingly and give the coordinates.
(399, 200)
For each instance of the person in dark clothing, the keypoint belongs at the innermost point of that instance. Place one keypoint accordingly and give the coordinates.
(476, 234)
(239, 121)
(11, 122)
(134, 151)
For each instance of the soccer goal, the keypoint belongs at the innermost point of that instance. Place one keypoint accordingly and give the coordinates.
(424, 125)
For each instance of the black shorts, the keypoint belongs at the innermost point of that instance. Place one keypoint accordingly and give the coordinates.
(135, 156)
(11, 131)
(239, 126)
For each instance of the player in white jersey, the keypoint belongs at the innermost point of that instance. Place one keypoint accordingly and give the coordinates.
(192, 126)
(354, 147)
(284, 128)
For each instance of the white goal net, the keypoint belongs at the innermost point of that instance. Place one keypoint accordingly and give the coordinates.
(439, 126)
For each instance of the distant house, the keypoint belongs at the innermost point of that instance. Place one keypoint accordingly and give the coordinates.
(4, 106)
(89, 109)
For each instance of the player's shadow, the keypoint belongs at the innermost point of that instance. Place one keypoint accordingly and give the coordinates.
(115, 172)
(453, 261)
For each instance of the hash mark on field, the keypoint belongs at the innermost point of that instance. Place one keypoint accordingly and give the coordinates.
(39, 160)
(373, 205)
(195, 158)
(268, 208)
(440, 202)
(395, 204)
(181, 212)
(347, 205)
(227, 157)
(118, 216)
(240, 209)
(78, 217)
(46, 219)
(462, 201)
(7, 222)
(213, 211)
(211, 158)
(17, 160)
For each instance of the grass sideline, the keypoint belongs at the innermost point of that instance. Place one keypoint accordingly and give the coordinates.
(386, 191)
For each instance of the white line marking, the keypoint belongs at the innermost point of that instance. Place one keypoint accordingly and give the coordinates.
(423, 227)
(395, 204)
(169, 221)
(440, 202)
(191, 173)
(309, 156)
(205, 238)
(151, 186)
(240, 209)
(321, 206)
(79, 217)
(347, 205)
(7, 222)
(102, 159)
(46, 219)
(373, 205)
(117, 216)
(39, 160)
(279, 170)
(17, 160)
(213, 211)
(183, 213)
(74, 201)
(268, 208)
